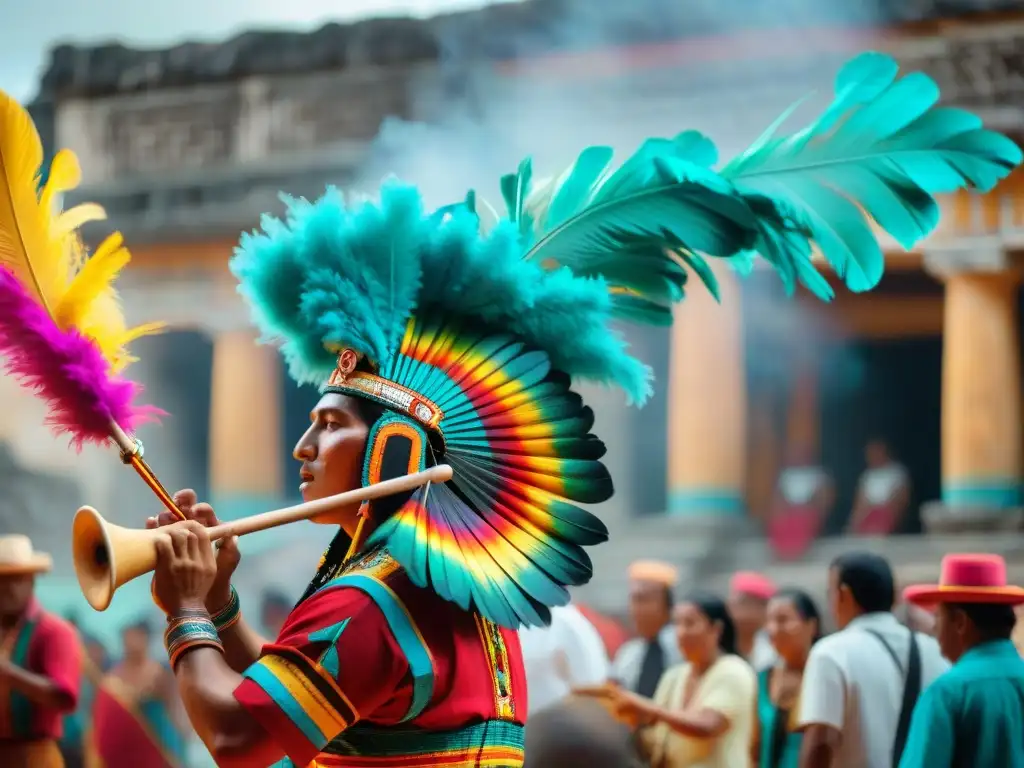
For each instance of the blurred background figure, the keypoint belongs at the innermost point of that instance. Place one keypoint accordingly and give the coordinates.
(971, 715)
(702, 714)
(916, 617)
(579, 734)
(804, 495)
(793, 626)
(749, 593)
(640, 662)
(137, 711)
(40, 662)
(861, 683)
(883, 493)
(74, 744)
(567, 655)
(274, 609)
(612, 631)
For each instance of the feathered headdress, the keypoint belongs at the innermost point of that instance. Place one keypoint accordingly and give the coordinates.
(62, 332)
(472, 339)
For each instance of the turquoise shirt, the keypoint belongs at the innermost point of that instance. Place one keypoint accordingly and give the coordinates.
(767, 713)
(973, 715)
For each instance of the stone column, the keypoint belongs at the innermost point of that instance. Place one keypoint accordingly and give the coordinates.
(707, 404)
(981, 403)
(245, 426)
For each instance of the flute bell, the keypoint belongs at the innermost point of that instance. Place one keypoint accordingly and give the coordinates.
(107, 556)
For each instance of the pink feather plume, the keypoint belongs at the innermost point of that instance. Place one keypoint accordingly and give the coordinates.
(66, 369)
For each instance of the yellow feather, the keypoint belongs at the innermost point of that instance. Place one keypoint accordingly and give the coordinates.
(25, 245)
(42, 246)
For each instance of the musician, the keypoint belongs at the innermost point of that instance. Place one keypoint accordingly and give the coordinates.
(436, 342)
(40, 663)
(404, 648)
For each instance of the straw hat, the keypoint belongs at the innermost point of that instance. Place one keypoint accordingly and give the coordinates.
(968, 579)
(654, 571)
(18, 558)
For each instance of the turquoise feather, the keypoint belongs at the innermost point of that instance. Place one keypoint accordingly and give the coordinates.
(881, 147)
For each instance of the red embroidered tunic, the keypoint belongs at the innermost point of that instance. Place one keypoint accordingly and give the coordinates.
(374, 671)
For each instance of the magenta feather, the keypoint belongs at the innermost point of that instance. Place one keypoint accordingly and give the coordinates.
(66, 369)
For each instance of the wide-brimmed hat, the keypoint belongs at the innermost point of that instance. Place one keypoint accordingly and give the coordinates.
(17, 557)
(968, 579)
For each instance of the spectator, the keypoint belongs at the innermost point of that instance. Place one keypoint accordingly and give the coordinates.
(974, 714)
(40, 662)
(702, 713)
(749, 594)
(861, 683)
(794, 626)
(640, 663)
(567, 654)
(136, 710)
(804, 495)
(883, 494)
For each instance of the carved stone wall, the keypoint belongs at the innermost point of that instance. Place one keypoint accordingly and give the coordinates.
(197, 140)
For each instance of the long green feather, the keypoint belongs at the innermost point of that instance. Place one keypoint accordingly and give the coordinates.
(880, 151)
(881, 148)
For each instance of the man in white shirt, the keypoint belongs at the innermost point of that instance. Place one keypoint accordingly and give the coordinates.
(853, 684)
(566, 655)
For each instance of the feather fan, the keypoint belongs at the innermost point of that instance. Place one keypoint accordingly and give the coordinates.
(62, 332)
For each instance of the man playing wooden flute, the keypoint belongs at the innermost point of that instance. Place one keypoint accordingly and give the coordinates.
(438, 338)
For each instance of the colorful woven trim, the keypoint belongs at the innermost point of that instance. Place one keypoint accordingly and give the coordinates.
(188, 630)
(229, 615)
(307, 701)
(497, 655)
(385, 392)
(493, 743)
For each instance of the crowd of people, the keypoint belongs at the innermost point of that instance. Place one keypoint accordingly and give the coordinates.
(754, 679)
(749, 679)
(67, 699)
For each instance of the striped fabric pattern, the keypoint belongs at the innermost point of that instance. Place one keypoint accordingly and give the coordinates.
(311, 706)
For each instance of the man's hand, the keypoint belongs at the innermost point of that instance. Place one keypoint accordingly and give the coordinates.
(185, 567)
(228, 555)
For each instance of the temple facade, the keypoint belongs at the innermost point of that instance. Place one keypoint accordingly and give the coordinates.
(187, 147)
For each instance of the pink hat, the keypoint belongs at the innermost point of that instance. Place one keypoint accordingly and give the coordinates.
(968, 579)
(753, 584)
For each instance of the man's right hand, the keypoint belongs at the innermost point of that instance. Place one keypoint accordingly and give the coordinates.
(228, 555)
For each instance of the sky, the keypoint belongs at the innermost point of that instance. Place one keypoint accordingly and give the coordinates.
(29, 30)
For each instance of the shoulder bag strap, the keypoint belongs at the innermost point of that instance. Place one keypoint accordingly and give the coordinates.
(911, 691)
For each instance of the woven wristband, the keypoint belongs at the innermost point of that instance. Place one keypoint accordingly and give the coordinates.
(187, 631)
(229, 615)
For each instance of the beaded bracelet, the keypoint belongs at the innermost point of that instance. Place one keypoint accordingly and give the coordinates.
(229, 615)
(189, 630)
